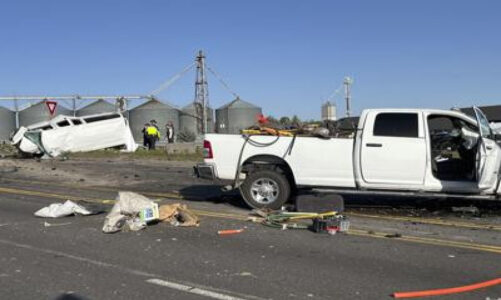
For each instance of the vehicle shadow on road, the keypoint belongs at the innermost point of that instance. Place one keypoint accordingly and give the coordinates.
(214, 194)
(70, 296)
(424, 205)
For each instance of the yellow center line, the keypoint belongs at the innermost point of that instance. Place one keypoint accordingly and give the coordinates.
(429, 241)
(352, 231)
(427, 221)
(177, 195)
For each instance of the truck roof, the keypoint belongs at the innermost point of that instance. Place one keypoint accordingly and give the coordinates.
(455, 113)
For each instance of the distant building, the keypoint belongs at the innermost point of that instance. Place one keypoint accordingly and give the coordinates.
(329, 112)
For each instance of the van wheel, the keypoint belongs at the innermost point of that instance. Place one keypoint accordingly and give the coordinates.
(265, 188)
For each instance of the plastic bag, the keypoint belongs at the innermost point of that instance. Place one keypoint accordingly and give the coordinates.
(128, 207)
(58, 210)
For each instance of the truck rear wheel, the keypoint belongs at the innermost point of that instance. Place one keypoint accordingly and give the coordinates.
(265, 188)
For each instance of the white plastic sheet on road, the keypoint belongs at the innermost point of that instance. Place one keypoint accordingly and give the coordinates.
(75, 134)
(58, 210)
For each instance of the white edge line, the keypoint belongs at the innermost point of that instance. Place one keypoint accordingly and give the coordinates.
(193, 290)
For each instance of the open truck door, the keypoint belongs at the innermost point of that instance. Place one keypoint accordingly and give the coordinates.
(488, 155)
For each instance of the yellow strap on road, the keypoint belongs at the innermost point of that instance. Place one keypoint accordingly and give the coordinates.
(352, 231)
(177, 195)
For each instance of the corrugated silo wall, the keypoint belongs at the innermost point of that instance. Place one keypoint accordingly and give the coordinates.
(241, 118)
(188, 120)
(7, 123)
(97, 108)
(39, 113)
(141, 115)
(210, 120)
(222, 125)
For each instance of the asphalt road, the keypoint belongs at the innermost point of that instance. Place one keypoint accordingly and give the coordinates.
(75, 260)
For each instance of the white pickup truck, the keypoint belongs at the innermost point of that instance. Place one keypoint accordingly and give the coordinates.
(418, 152)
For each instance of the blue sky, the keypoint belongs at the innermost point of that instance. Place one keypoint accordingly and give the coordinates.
(286, 56)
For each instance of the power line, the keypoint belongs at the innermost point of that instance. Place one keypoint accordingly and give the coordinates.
(225, 85)
(172, 80)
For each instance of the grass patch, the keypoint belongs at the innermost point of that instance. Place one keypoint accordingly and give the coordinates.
(158, 154)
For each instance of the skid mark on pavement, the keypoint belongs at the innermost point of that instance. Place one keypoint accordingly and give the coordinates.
(178, 285)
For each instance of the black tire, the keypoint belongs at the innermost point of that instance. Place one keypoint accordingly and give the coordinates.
(280, 197)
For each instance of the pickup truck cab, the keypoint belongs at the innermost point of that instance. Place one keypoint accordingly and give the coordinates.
(419, 152)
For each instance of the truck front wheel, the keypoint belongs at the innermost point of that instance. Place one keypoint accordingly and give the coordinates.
(265, 188)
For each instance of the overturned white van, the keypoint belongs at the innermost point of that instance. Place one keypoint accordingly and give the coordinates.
(75, 134)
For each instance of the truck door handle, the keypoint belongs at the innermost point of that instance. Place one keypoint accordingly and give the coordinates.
(488, 147)
(374, 145)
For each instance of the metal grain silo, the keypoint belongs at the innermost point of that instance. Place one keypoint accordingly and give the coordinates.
(235, 116)
(188, 119)
(152, 110)
(97, 107)
(39, 112)
(7, 123)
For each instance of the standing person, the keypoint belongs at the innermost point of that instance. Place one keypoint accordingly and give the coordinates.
(145, 134)
(170, 132)
(154, 123)
(152, 136)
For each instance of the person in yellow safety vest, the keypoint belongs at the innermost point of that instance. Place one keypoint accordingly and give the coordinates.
(152, 135)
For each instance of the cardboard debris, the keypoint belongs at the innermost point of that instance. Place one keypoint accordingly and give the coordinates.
(178, 215)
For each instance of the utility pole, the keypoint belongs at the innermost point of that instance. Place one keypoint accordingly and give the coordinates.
(201, 93)
(74, 106)
(16, 109)
(347, 87)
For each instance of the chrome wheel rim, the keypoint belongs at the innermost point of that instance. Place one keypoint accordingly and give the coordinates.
(264, 191)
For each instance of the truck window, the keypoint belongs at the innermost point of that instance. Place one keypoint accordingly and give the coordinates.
(101, 118)
(396, 125)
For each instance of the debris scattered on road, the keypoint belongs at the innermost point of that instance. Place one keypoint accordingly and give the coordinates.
(466, 210)
(245, 274)
(328, 222)
(58, 210)
(7, 150)
(178, 215)
(47, 224)
(131, 209)
(230, 231)
(393, 235)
